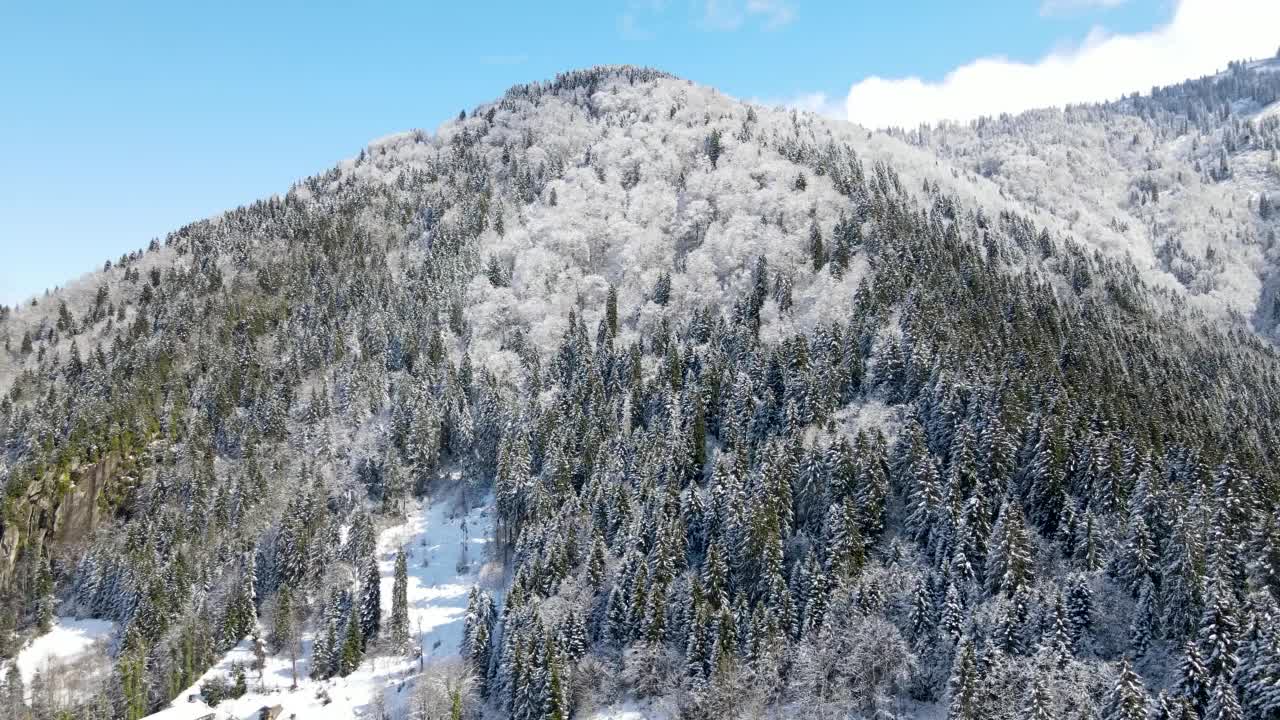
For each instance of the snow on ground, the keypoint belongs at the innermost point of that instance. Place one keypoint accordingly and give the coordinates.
(72, 658)
(620, 713)
(63, 644)
(445, 554)
(629, 710)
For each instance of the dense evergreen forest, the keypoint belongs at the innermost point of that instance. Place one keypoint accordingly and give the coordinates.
(771, 426)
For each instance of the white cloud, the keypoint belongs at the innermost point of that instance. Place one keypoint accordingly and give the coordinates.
(1057, 7)
(731, 14)
(1202, 37)
(775, 12)
(631, 24)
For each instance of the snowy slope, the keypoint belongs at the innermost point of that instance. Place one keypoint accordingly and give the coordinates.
(69, 641)
(1073, 176)
(436, 540)
(1093, 169)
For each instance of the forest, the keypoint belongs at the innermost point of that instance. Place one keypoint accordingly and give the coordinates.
(774, 419)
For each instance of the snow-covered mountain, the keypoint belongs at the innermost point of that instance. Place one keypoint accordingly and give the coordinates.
(1181, 180)
(742, 412)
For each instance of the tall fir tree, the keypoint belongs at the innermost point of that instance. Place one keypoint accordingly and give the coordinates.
(398, 624)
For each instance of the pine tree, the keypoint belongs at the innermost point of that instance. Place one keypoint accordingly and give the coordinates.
(697, 651)
(616, 631)
(131, 670)
(44, 594)
(352, 650)
(1223, 703)
(1142, 627)
(921, 610)
(285, 633)
(326, 652)
(1165, 707)
(1079, 610)
(1193, 685)
(845, 551)
(555, 705)
(962, 688)
(952, 623)
(662, 289)
(239, 681)
(817, 249)
(399, 622)
(370, 601)
(1057, 638)
(611, 312)
(1009, 561)
(1013, 623)
(1259, 673)
(242, 612)
(14, 692)
(1037, 705)
(1128, 699)
(1220, 635)
(495, 273)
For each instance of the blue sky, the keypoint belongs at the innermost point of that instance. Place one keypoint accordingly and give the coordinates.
(122, 121)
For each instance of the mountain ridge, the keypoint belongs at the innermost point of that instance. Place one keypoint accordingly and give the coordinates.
(747, 392)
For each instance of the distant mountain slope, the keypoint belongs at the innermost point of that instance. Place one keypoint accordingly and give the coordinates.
(773, 417)
(1182, 179)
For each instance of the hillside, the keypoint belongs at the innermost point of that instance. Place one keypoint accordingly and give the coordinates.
(772, 417)
(1183, 180)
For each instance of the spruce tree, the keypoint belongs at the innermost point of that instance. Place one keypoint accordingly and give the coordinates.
(611, 312)
(399, 622)
(242, 612)
(1219, 635)
(1128, 699)
(285, 636)
(1079, 608)
(962, 688)
(1223, 702)
(1038, 705)
(1194, 680)
(370, 600)
(352, 650)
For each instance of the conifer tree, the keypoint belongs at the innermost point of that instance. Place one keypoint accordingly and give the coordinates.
(370, 600)
(1079, 608)
(952, 623)
(1194, 681)
(44, 594)
(1009, 563)
(1219, 635)
(242, 612)
(1223, 703)
(817, 249)
(962, 688)
(1037, 706)
(285, 636)
(611, 312)
(1128, 699)
(352, 650)
(1142, 627)
(399, 621)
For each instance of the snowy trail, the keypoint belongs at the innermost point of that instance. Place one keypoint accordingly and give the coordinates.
(444, 556)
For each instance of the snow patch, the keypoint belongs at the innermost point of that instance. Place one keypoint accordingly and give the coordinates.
(65, 642)
(445, 553)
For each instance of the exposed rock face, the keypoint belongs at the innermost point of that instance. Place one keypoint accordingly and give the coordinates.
(59, 508)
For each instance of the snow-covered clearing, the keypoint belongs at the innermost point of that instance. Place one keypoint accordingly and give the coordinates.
(445, 554)
(70, 642)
